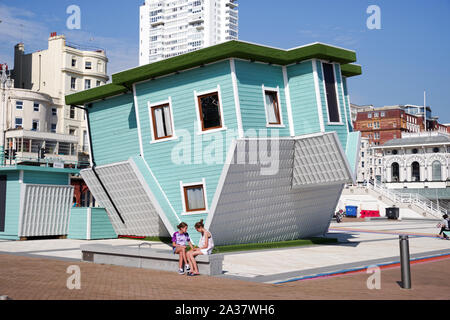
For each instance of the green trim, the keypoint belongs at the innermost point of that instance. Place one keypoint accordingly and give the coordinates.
(350, 70)
(93, 94)
(231, 49)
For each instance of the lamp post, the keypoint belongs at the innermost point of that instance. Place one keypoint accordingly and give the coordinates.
(6, 84)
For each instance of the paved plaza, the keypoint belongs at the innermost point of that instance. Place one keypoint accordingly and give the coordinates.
(37, 269)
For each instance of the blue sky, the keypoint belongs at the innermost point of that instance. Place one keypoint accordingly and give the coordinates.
(408, 55)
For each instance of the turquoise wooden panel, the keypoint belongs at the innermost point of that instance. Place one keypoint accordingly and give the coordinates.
(347, 104)
(13, 188)
(352, 150)
(303, 98)
(114, 129)
(78, 223)
(341, 129)
(36, 177)
(205, 153)
(251, 76)
(101, 227)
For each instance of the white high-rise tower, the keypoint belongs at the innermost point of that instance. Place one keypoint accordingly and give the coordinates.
(169, 28)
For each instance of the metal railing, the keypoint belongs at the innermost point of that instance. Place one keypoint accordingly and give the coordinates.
(410, 198)
(46, 162)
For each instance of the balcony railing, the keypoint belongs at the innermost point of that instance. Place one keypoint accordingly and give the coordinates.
(45, 162)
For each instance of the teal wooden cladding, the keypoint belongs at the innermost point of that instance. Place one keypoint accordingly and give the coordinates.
(340, 128)
(251, 77)
(36, 177)
(347, 104)
(13, 188)
(303, 98)
(90, 224)
(114, 135)
(194, 166)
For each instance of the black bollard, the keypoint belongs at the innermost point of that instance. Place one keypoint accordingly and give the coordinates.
(404, 262)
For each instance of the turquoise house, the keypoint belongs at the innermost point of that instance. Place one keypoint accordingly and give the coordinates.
(256, 141)
(34, 201)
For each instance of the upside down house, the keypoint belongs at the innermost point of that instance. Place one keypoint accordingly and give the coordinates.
(256, 141)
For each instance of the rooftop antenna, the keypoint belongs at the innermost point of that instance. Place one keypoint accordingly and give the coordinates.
(425, 109)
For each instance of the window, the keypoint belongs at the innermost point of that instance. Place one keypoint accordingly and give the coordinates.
(415, 151)
(36, 107)
(35, 126)
(362, 164)
(415, 171)
(375, 115)
(369, 116)
(333, 108)
(436, 150)
(395, 171)
(73, 82)
(72, 131)
(209, 110)
(87, 84)
(394, 151)
(436, 171)
(161, 121)
(54, 112)
(53, 128)
(72, 112)
(272, 107)
(19, 105)
(88, 65)
(99, 83)
(18, 123)
(194, 198)
(74, 62)
(383, 114)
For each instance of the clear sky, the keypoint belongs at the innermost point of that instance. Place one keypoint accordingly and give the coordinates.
(409, 54)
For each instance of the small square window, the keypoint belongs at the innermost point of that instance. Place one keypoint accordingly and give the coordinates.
(53, 128)
(194, 198)
(88, 65)
(36, 107)
(54, 112)
(18, 123)
(209, 109)
(19, 105)
(369, 116)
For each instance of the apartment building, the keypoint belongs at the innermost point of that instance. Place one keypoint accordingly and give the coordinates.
(62, 69)
(170, 28)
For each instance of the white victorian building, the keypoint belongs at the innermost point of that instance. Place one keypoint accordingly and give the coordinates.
(416, 161)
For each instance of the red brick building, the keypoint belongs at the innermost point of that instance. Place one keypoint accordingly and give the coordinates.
(383, 124)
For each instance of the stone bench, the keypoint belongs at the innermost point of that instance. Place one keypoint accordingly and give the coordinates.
(147, 258)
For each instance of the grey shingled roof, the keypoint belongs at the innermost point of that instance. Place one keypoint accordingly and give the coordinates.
(418, 141)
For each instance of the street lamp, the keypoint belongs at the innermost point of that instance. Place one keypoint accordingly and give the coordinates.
(6, 83)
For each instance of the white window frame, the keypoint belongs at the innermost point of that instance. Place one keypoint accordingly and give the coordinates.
(340, 123)
(21, 105)
(277, 90)
(183, 200)
(85, 65)
(172, 122)
(90, 84)
(197, 110)
(74, 87)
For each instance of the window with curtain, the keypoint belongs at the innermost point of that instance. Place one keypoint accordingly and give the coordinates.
(162, 122)
(436, 170)
(194, 198)
(272, 107)
(210, 111)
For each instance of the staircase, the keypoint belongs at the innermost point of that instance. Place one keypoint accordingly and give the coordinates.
(413, 201)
